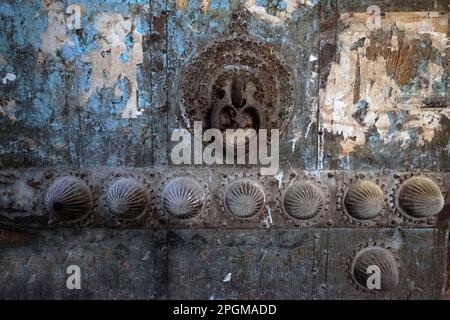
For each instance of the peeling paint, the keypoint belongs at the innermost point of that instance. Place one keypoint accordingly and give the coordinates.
(279, 178)
(377, 81)
(204, 5)
(268, 221)
(11, 77)
(114, 60)
(89, 79)
(281, 15)
(55, 35)
(227, 277)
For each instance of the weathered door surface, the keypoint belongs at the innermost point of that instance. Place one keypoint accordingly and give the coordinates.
(91, 93)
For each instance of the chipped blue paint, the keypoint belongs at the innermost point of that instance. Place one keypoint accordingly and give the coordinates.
(282, 5)
(47, 90)
(124, 57)
(6, 9)
(128, 40)
(142, 26)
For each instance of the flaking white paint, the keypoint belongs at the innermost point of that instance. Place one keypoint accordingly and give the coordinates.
(55, 34)
(280, 16)
(107, 68)
(377, 88)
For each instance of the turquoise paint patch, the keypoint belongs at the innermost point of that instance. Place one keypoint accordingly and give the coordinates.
(41, 112)
(128, 40)
(124, 57)
(282, 5)
(218, 4)
(68, 53)
(84, 80)
(213, 24)
(142, 26)
(6, 10)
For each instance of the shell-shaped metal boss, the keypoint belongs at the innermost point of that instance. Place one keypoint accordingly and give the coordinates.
(126, 199)
(244, 199)
(182, 198)
(375, 268)
(420, 197)
(68, 199)
(303, 200)
(364, 200)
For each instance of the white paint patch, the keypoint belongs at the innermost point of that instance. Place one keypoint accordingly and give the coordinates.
(227, 277)
(279, 178)
(32, 279)
(280, 16)
(377, 88)
(204, 5)
(107, 66)
(146, 256)
(294, 141)
(11, 77)
(55, 35)
(268, 220)
(59, 145)
(309, 128)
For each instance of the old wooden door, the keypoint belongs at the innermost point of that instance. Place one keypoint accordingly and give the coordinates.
(93, 91)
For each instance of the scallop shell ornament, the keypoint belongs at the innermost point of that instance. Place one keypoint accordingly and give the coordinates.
(244, 199)
(303, 200)
(68, 199)
(182, 198)
(126, 199)
(364, 200)
(375, 258)
(420, 197)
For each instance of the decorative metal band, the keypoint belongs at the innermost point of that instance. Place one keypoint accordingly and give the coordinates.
(225, 198)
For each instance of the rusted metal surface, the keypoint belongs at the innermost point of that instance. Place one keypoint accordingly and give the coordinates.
(225, 198)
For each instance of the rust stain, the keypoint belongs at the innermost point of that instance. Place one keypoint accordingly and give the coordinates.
(182, 4)
(357, 85)
(401, 65)
(159, 27)
(144, 134)
(10, 237)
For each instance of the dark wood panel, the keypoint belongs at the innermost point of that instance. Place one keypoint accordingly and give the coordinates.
(242, 264)
(420, 254)
(114, 265)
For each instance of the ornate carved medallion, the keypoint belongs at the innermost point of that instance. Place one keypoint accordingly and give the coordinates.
(238, 82)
